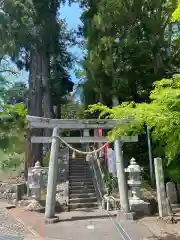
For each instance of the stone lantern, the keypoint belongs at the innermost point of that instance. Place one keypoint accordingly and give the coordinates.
(134, 181)
(36, 181)
(35, 186)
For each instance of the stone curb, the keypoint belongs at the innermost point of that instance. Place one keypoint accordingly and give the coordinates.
(52, 220)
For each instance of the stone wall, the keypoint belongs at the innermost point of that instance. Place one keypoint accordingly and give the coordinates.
(173, 192)
(12, 192)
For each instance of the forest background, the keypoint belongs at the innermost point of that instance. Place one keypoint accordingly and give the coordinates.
(130, 53)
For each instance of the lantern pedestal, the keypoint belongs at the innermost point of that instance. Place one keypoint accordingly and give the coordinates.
(35, 206)
(139, 206)
(121, 215)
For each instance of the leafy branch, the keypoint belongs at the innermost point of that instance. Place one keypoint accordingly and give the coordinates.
(162, 115)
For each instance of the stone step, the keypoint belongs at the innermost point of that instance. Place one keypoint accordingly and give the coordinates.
(76, 172)
(81, 188)
(79, 177)
(175, 205)
(76, 206)
(82, 195)
(80, 180)
(76, 169)
(77, 161)
(81, 191)
(90, 209)
(81, 184)
(176, 210)
(78, 166)
(83, 200)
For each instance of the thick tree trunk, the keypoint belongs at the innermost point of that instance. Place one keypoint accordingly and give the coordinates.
(47, 102)
(35, 101)
(58, 111)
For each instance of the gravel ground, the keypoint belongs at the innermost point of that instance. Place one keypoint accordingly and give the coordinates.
(10, 227)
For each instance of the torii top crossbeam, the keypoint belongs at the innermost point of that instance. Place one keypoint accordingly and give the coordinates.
(40, 122)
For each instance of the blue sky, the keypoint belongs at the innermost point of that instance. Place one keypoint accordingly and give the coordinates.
(71, 14)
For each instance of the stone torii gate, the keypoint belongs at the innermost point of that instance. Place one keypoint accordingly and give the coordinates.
(84, 124)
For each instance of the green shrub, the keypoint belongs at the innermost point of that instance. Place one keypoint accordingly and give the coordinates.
(110, 182)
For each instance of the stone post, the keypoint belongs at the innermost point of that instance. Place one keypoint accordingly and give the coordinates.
(150, 156)
(122, 183)
(100, 153)
(86, 134)
(171, 192)
(52, 179)
(161, 194)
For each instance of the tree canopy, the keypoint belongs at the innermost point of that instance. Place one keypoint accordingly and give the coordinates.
(132, 51)
(176, 14)
(129, 46)
(162, 115)
(32, 33)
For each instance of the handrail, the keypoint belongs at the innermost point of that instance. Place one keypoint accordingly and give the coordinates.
(95, 175)
(99, 165)
(96, 166)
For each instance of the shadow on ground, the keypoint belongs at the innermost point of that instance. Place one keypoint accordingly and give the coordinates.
(78, 218)
(167, 237)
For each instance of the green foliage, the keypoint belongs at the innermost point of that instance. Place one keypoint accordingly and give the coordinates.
(176, 14)
(129, 47)
(173, 173)
(11, 160)
(72, 109)
(14, 93)
(110, 182)
(12, 130)
(162, 115)
(46, 158)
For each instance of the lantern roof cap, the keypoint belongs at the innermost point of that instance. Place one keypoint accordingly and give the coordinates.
(37, 165)
(133, 166)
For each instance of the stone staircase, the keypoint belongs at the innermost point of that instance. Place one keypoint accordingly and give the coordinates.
(176, 208)
(81, 189)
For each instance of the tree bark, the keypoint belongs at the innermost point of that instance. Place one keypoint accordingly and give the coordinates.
(35, 101)
(47, 101)
(58, 111)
